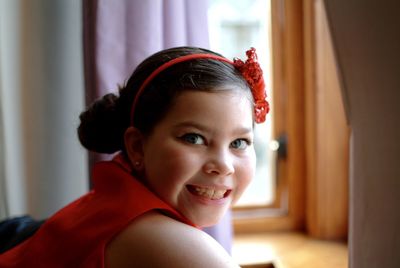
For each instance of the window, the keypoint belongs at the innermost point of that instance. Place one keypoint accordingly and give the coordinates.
(276, 199)
(234, 27)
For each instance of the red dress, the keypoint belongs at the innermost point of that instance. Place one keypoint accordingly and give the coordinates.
(77, 235)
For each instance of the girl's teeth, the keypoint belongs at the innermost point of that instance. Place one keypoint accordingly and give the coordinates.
(210, 193)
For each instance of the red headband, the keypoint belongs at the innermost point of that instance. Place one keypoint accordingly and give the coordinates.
(250, 70)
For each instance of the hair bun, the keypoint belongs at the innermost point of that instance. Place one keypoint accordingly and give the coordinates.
(101, 129)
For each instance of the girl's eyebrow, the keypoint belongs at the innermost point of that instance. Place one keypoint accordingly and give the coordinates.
(190, 124)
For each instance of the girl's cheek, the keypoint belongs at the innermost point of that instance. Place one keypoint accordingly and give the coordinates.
(248, 168)
(245, 176)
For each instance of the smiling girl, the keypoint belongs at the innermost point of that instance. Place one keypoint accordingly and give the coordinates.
(182, 131)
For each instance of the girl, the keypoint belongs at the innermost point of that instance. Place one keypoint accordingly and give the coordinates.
(183, 130)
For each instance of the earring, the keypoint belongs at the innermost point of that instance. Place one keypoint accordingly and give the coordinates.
(138, 165)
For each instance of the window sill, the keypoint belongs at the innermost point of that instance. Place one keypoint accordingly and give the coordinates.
(288, 250)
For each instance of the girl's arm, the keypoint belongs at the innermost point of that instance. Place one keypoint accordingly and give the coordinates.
(155, 240)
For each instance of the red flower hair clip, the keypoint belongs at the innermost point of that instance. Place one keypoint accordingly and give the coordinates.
(253, 74)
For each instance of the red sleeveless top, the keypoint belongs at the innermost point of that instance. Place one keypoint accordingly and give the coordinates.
(77, 235)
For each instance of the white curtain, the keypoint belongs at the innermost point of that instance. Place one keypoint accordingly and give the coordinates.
(43, 167)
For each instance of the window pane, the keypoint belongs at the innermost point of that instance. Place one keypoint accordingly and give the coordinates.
(234, 27)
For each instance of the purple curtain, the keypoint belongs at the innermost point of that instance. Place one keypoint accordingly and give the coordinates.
(118, 35)
(123, 33)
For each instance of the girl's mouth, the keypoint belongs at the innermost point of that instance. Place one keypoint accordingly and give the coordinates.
(207, 192)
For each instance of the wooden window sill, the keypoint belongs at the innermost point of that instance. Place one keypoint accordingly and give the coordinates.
(288, 250)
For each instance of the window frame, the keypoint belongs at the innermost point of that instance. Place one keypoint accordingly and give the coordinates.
(306, 92)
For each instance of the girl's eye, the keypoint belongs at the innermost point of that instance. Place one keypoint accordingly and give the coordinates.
(240, 144)
(193, 138)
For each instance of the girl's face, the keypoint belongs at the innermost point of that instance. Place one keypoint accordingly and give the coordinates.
(200, 157)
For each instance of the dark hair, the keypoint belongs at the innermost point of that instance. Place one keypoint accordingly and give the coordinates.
(104, 123)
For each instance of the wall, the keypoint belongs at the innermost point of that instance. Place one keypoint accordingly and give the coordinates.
(366, 37)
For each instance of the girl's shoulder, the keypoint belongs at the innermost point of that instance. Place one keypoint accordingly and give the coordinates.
(156, 240)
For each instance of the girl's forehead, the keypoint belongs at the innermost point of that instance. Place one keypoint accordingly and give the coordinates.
(212, 108)
(198, 99)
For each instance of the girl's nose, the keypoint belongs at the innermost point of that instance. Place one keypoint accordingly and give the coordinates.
(219, 164)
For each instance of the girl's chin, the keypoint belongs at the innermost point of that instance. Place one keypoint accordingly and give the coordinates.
(205, 212)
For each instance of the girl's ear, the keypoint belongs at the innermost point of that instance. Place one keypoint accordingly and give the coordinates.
(134, 141)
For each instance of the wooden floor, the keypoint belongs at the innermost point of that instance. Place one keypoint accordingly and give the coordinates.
(288, 250)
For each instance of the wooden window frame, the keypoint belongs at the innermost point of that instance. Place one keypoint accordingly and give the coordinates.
(307, 107)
